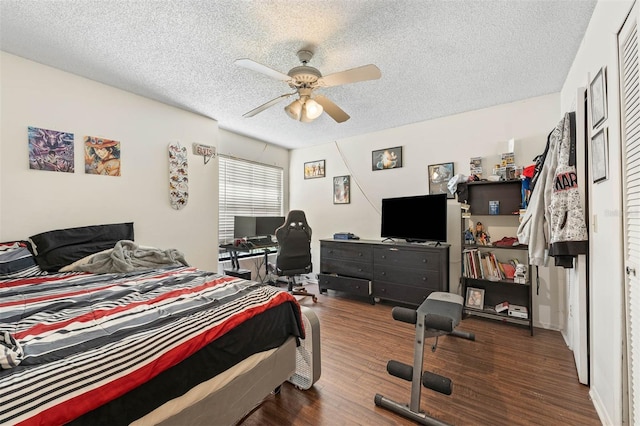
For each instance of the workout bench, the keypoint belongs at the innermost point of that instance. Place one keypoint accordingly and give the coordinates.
(438, 315)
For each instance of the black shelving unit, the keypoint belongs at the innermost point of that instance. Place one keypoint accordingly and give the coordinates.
(496, 291)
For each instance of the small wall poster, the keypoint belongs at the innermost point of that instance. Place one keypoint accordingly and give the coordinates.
(342, 190)
(101, 156)
(388, 158)
(439, 176)
(50, 150)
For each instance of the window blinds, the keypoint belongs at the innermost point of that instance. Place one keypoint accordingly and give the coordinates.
(247, 188)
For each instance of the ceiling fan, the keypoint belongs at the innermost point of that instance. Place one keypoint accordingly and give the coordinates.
(305, 79)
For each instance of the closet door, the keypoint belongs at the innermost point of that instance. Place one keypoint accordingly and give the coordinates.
(630, 121)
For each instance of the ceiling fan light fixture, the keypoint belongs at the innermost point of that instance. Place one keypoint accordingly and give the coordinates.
(294, 109)
(312, 110)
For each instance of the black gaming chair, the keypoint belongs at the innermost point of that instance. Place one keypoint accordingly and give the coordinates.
(294, 252)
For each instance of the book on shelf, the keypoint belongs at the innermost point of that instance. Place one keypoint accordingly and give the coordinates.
(508, 269)
(494, 207)
(471, 263)
(501, 307)
(484, 265)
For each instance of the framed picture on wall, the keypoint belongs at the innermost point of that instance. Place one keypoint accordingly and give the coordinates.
(598, 94)
(388, 158)
(600, 156)
(314, 169)
(439, 176)
(342, 190)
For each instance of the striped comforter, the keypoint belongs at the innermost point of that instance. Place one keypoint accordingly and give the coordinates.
(82, 340)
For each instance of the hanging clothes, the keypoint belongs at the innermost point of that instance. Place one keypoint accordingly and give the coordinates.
(554, 223)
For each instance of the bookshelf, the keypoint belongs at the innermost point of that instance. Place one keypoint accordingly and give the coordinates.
(488, 268)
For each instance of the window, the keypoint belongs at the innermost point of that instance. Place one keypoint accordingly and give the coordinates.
(247, 189)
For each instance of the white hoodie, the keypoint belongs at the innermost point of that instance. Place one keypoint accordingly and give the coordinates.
(554, 217)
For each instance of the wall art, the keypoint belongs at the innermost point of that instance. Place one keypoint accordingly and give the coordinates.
(50, 150)
(342, 190)
(389, 158)
(600, 156)
(101, 156)
(598, 94)
(439, 176)
(314, 169)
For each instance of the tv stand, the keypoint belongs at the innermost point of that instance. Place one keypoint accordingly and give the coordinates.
(402, 272)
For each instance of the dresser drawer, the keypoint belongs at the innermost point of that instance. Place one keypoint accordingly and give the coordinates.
(408, 258)
(352, 269)
(345, 251)
(407, 277)
(355, 286)
(343, 267)
(401, 293)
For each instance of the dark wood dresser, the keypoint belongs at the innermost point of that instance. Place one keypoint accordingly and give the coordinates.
(402, 272)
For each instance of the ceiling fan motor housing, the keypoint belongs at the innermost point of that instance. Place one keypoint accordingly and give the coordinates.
(304, 76)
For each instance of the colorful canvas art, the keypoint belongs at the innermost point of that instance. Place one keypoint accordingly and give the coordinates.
(101, 156)
(50, 150)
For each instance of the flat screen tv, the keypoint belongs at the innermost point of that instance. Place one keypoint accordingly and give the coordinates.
(419, 218)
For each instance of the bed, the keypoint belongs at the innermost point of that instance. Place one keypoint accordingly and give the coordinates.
(166, 343)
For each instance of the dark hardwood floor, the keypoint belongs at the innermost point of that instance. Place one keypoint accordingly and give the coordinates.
(505, 377)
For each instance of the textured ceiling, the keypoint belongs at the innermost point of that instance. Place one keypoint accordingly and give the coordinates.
(437, 58)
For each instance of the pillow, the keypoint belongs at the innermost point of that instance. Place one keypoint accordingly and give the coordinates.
(83, 261)
(16, 261)
(55, 249)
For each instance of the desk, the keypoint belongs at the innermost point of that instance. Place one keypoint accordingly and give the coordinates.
(251, 249)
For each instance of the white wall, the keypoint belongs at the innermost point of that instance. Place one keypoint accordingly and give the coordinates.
(33, 201)
(599, 48)
(482, 133)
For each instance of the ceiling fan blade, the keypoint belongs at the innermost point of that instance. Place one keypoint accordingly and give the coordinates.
(267, 105)
(254, 66)
(354, 75)
(332, 109)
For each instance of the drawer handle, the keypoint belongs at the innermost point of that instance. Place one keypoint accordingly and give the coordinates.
(425, 260)
(424, 278)
(360, 254)
(384, 257)
(384, 273)
(359, 269)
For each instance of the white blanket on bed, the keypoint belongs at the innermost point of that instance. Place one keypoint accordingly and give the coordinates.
(127, 256)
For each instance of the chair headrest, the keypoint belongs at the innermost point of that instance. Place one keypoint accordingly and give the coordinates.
(296, 216)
